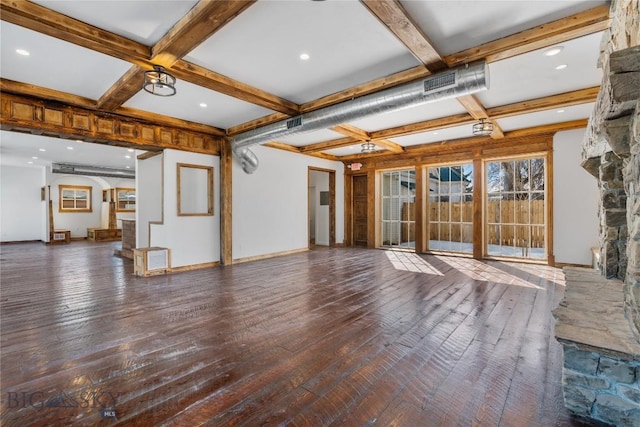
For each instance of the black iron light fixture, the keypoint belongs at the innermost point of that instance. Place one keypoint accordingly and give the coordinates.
(368, 147)
(483, 128)
(159, 82)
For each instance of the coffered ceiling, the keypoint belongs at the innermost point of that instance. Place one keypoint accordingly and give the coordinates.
(239, 66)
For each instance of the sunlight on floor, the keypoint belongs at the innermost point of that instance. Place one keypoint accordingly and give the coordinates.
(408, 261)
(478, 270)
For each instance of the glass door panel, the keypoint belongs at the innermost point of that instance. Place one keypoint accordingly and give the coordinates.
(451, 208)
(515, 208)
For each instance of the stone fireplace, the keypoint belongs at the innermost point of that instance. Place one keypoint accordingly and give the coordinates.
(598, 322)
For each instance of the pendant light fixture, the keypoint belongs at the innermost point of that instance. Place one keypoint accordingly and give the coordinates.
(159, 82)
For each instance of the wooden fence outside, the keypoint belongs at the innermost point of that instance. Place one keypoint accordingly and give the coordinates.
(518, 223)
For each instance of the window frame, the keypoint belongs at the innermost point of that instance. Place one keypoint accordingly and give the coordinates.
(117, 199)
(75, 188)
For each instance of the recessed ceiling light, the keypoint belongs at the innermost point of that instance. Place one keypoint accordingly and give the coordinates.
(30, 162)
(561, 67)
(128, 167)
(42, 149)
(203, 105)
(22, 52)
(131, 150)
(79, 141)
(553, 51)
(69, 148)
(304, 56)
(560, 111)
(127, 156)
(435, 133)
(34, 158)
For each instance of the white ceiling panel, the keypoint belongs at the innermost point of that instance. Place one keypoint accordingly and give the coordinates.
(455, 25)
(20, 148)
(143, 21)
(308, 138)
(534, 75)
(440, 135)
(221, 110)
(540, 118)
(345, 151)
(55, 64)
(430, 111)
(262, 48)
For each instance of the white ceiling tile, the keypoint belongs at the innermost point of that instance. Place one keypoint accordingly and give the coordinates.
(222, 111)
(456, 25)
(55, 64)
(546, 117)
(144, 21)
(437, 136)
(308, 138)
(533, 75)
(261, 47)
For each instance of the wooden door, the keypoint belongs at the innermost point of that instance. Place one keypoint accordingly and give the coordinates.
(360, 210)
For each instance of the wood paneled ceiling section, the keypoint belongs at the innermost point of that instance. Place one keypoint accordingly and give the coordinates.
(208, 16)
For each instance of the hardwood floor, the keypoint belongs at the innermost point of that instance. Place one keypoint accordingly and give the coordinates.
(346, 337)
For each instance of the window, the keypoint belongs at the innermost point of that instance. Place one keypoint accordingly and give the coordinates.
(516, 208)
(398, 208)
(125, 199)
(74, 198)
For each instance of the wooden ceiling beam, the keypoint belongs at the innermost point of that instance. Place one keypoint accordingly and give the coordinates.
(392, 15)
(352, 131)
(473, 106)
(54, 24)
(559, 31)
(32, 91)
(204, 19)
(46, 117)
(389, 145)
(329, 145)
(122, 90)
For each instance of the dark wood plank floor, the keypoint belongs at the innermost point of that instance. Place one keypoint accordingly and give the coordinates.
(346, 337)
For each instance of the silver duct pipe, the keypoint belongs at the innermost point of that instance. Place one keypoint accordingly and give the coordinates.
(464, 80)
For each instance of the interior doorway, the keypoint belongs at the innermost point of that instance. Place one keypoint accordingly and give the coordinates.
(321, 207)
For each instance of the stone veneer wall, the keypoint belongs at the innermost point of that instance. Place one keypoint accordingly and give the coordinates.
(602, 387)
(611, 152)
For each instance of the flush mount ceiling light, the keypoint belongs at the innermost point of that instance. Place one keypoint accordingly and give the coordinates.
(483, 128)
(368, 147)
(159, 82)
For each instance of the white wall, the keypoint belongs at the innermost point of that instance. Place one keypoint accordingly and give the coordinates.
(78, 222)
(22, 213)
(149, 191)
(320, 182)
(270, 206)
(192, 240)
(575, 201)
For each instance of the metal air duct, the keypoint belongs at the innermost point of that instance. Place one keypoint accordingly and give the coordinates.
(464, 80)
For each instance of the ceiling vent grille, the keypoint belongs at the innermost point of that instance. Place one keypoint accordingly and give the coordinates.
(439, 82)
(294, 123)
